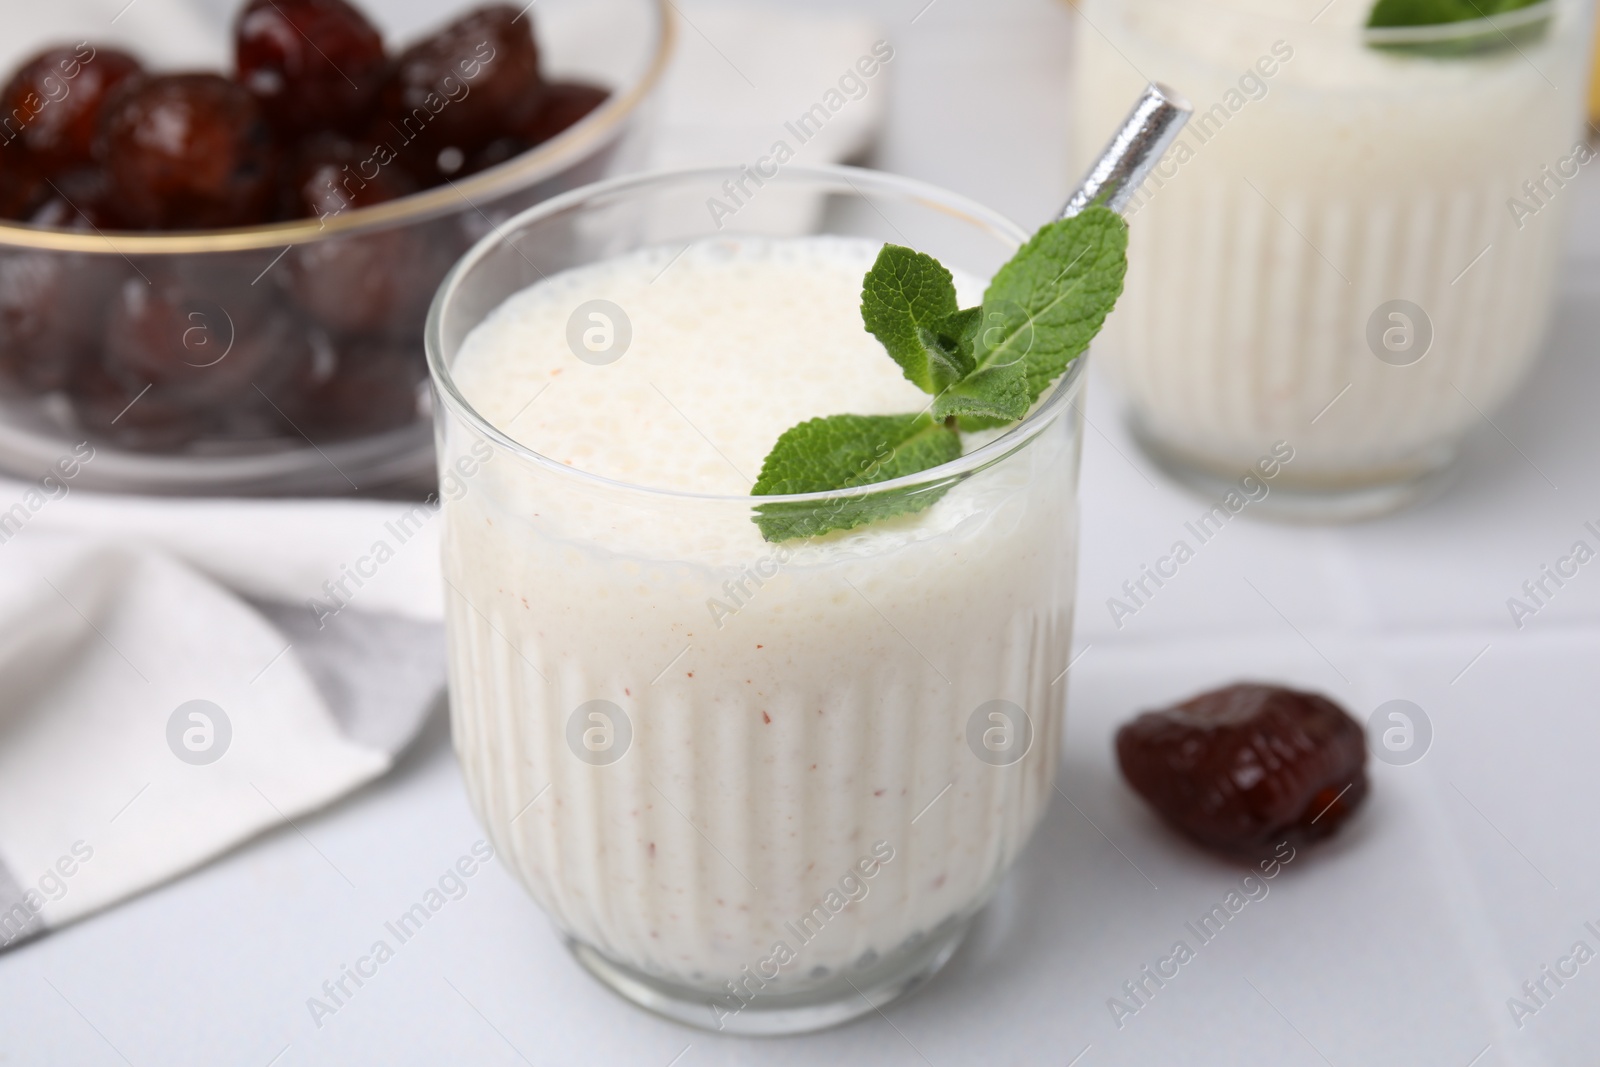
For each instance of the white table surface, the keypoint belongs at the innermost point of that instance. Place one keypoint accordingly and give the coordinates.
(1396, 943)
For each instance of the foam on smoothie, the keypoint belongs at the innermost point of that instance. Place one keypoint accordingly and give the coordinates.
(733, 342)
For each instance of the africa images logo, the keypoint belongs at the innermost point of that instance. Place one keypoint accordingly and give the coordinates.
(199, 732)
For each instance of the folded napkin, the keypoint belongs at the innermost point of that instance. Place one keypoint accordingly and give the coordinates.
(154, 717)
(177, 676)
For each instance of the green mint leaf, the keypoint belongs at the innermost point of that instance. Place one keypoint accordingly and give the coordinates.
(974, 423)
(998, 392)
(951, 339)
(1474, 33)
(845, 452)
(992, 389)
(908, 301)
(1044, 306)
(1390, 13)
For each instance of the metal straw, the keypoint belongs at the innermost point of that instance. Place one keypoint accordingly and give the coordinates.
(1132, 152)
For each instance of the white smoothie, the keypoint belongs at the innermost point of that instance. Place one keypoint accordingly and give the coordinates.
(1318, 180)
(798, 772)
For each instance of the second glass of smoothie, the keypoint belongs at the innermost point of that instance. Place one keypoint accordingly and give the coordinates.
(1353, 247)
(761, 787)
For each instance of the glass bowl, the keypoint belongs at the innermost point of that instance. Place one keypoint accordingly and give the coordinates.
(306, 336)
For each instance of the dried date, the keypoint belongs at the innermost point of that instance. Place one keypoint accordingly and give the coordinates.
(1242, 768)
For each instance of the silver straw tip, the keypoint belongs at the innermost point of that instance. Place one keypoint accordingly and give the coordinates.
(1136, 147)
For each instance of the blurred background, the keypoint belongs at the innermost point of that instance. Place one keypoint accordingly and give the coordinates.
(1402, 941)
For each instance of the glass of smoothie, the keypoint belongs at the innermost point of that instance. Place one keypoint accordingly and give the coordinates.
(760, 786)
(1352, 248)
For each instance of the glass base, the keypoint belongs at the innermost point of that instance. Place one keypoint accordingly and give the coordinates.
(847, 995)
(1352, 499)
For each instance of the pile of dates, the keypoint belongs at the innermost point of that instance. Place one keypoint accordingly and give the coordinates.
(157, 352)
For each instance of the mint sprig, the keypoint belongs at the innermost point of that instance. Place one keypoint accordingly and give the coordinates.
(1474, 33)
(1387, 14)
(984, 366)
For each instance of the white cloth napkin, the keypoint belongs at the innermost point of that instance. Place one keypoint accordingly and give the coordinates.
(154, 717)
(313, 663)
